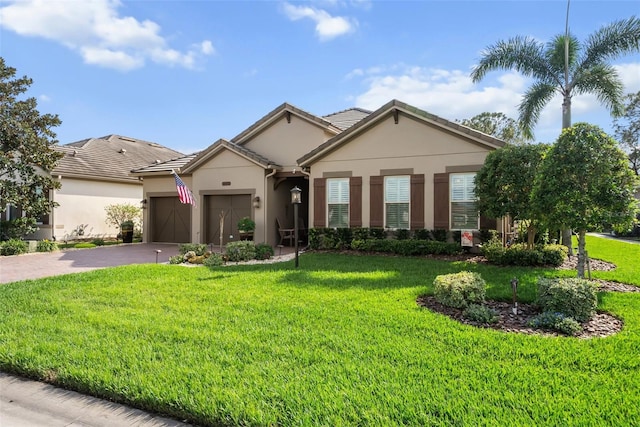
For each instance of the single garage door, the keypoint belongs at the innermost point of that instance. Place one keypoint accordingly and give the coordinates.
(233, 207)
(170, 220)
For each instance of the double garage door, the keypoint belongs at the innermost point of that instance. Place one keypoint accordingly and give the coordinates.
(171, 220)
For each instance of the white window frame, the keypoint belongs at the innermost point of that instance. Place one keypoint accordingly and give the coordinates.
(401, 194)
(462, 191)
(338, 194)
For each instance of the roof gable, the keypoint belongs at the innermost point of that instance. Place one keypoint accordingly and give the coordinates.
(221, 145)
(396, 108)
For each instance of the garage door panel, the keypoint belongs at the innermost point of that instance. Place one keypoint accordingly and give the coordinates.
(170, 220)
(234, 207)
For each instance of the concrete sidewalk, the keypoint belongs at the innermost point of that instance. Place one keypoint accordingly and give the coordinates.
(25, 403)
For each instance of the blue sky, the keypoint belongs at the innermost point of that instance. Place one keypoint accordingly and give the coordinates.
(186, 73)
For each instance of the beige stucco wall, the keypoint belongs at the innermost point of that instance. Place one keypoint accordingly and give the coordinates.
(410, 144)
(284, 143)
(83, 203)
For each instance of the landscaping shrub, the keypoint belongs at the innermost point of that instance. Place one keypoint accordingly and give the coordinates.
(199, 248)
(439, 235)
(488, 235)
(98, 242)
(330, 238)
(557, 322)
(377, 233)
(46, 246)
(263, 251)
(572, 297)
(422, 234)
(214, 260)
(176, 259)
(402, 234)
(458, 290)
(406, 247)
(360, 233)
(13, 247)
(240, 251)
(481, 313)
(84, 245)
(518, 254)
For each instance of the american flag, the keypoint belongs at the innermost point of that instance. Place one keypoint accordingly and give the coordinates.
(184, 194)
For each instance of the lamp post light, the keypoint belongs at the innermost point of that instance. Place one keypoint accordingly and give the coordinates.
(296, 199)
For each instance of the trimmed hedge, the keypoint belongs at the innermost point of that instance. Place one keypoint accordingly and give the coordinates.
(13, 247)
(407, 247)
(519, 255)
(576, 298)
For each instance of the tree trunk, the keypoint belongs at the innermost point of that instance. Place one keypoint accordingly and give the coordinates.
(531, 235)
(581, 253)
(566, 123)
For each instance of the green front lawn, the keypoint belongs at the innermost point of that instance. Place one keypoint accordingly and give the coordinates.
(340, 341)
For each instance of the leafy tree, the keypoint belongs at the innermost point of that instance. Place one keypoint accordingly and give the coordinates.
(505, 182)
(119, 213)
(585, 181)
(627, 130)
(567, 67)
(27, 153)
(498, 125)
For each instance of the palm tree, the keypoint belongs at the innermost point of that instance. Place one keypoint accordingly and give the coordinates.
(584, 70)
(567, 67)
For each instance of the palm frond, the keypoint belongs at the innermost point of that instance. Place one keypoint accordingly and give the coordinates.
(611, 41)
(603, 81)
(533, 102)
(522, 54)
(555, 54)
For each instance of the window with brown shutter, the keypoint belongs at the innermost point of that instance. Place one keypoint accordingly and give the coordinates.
(417, 201)
(355, 212)
(376, 201)
(319, 202)
(441, 201)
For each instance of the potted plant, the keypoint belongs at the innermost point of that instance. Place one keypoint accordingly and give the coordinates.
(245, 228)
(126, 229)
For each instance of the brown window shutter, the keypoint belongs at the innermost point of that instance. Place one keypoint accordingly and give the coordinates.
(417, 202)
(319, 202)
(355, 201)
(376, 201)
(441, 201)
(487, 223)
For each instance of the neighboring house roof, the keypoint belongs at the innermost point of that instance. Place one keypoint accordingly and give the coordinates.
(223, 144)
(110, 157)
(392, 108)
(275, 115)
(347, 118)
(161, 168)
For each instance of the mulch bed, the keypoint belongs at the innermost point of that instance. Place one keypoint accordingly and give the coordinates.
(601, 325)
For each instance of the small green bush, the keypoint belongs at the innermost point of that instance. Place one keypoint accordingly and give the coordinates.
(572, 297)
(406, 247)
(176, 259)
(13, 247)
(214, 260)
(439, 235)
(84, 245)
(263, 251)
(46, 246)
(377, 233)
(422, 234)
(458, 290)
(199, 248)
(98, 242)
(557, 322)
(481, 313)
(240, 251)
(519, 255)
(554, 254)
(402, 234)
(360, 233)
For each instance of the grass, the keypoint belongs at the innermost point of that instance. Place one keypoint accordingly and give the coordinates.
(340, 341)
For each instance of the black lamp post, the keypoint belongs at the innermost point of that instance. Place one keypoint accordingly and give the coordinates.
(296, 199)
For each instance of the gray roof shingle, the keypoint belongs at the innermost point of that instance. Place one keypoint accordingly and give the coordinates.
(347, 118)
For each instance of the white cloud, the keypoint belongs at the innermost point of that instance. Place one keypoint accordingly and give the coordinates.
(44, 98)
(327, 26)
(95, 30)
(452, 95)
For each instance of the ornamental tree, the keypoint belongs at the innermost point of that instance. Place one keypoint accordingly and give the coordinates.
(498, 125)
(505, 182)
(27, 153)
(584, 182)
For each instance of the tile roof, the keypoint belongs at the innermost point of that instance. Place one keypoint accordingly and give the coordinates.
(168, 166)
(110, 157)
(347, 118)
(242, 151)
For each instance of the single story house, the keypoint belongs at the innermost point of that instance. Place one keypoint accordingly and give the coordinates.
(94, 173)
(396, 167)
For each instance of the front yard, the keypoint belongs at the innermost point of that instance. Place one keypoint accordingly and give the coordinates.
(340, 341)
